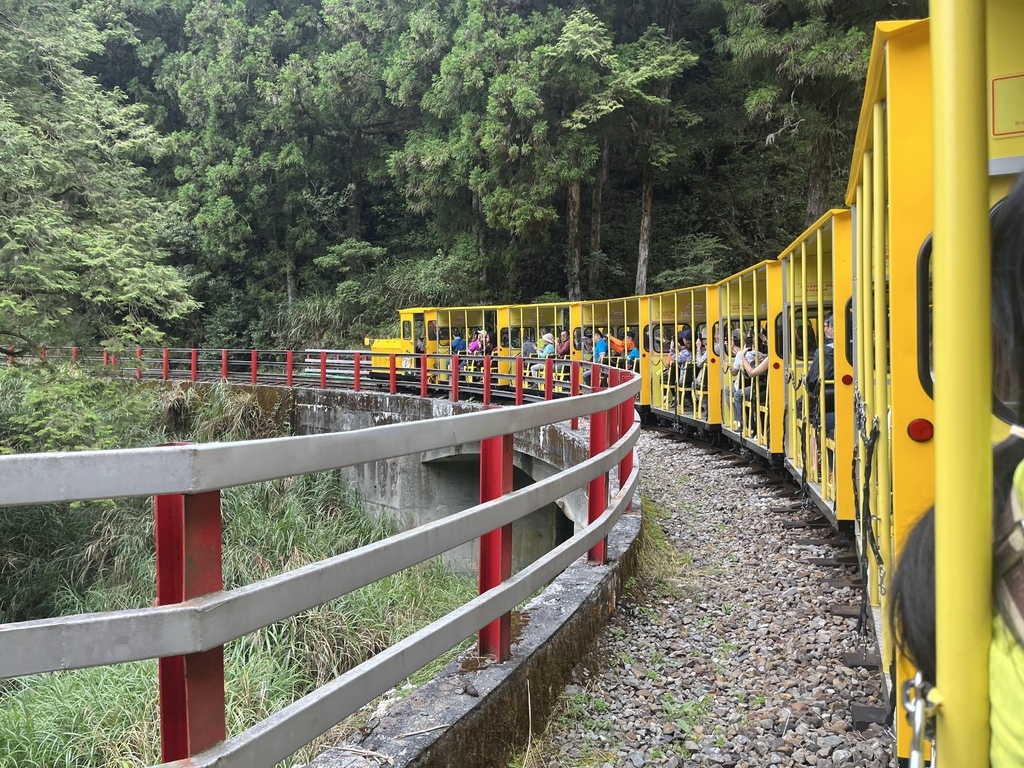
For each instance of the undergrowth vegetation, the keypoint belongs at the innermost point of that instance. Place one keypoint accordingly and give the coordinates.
(98, 556)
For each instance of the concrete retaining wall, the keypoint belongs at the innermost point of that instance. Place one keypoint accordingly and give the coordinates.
(419, 488)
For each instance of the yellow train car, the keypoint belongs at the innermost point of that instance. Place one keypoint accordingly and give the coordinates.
(622, 322)
(431, 330)
(817, 281)
(902, 142)
(680, 323)
(750, 305)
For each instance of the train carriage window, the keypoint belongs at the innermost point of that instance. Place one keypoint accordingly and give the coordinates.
(1004, 363)
(407, 330)
(517, 338)
(504, 338)
(811, 321)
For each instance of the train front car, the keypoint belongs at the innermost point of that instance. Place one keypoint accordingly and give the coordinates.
(682, 360)
(817, 287)
(750, 305)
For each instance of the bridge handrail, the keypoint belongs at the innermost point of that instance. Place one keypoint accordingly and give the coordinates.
(208, 621)
(87, 475)
(115, 637)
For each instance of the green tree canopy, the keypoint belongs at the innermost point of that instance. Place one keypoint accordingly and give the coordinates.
(82, 241)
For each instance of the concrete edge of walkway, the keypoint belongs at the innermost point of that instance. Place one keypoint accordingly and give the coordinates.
(443, 724)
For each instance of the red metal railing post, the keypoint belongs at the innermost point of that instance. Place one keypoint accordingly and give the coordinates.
(223, 365)
(598, 486)
(106, 358)
(188, 564)
(613, 412)
(519, 381)
(626, 464)
(42, 353)
(393, 386)
(595, 377)
(355, 372)
(138, 365)
(487, 379)
(423, 374)
(289, 367)
(455, 378)
(496, 546)
(549, 378)
(74, 355)
(323, 369)
(194, 374)
(254, 366)
(574, 388)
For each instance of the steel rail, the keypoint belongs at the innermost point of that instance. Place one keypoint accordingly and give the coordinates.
(294, 726)
(89, 475)
(97, 639)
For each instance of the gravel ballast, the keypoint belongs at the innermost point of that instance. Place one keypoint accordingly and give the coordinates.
(735, 658)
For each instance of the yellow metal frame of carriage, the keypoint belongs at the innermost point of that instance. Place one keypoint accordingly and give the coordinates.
(977, 72)
(428, 329)
(817, 282)
(670, 395)
(521, 321)
(920, 165)
(750, 302)
(890, 193)
(615, 317)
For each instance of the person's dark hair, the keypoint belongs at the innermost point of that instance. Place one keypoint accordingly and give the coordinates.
(912, 616)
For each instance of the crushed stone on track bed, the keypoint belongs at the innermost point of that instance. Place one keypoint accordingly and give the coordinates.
(737, 660)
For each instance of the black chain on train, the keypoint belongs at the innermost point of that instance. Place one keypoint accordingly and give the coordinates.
(802, 432)
(862, 499)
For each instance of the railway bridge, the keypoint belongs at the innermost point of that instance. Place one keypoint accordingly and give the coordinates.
(386, 418)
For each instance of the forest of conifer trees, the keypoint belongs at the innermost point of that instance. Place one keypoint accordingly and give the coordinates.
(286, 172)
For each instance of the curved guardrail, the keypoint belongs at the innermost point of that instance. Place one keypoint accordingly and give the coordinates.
(195, 617)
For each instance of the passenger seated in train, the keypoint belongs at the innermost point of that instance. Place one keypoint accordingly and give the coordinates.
(816, 374)
(529, 347)
(458, 346)
(684, 373)
(600, 352)
(745, 357)
(912, 618)
(458, 343)
(757, 381)
(546, 351)
(632, 352)
(700, 358)
(734, 395)
(562, 350)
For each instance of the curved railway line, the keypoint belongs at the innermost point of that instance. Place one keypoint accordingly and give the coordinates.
(742, 647)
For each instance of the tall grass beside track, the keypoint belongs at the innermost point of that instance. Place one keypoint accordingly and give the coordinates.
(64, 559)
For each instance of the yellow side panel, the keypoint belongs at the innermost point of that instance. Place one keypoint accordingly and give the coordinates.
(714, 371)
(776, 385)
(910, 222)
(842, 275)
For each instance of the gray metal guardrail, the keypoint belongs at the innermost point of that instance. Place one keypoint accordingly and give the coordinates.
(207, 621)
